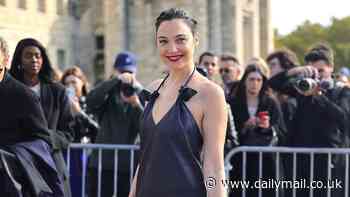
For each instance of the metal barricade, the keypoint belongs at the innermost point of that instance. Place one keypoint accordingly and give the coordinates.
(86, 148)
(279, 153)
(3, 152)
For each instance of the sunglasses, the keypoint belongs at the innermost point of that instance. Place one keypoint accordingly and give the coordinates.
(224, 71)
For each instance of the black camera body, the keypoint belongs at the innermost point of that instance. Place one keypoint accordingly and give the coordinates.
(127, 89)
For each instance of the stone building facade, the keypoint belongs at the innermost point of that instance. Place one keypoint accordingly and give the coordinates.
(91, 32)
(51, 22)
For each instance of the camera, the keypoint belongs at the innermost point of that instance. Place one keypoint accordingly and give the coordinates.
(127, 89)
(306, 84)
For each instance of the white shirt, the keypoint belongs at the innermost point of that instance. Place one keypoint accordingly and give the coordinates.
(252, 111)
(36, 89)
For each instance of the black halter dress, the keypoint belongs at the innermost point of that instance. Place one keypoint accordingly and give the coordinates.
(170, 151)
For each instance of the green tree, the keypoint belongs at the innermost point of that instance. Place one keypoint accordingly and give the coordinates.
(307, 34)
(302, 38)
(338, 36)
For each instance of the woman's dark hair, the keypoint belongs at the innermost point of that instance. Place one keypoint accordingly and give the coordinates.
(286, 57)
(77, 72)
(176, 13)
(241, 89)
(46, 73)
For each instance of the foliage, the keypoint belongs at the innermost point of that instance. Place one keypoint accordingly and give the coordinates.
(337, 35)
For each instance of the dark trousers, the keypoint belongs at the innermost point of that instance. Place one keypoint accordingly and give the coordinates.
(107, 183)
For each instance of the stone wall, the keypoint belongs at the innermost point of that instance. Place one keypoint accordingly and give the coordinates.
(56, 32)
(242, 27)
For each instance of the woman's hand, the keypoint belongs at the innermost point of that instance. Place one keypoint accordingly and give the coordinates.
(75, 104)
(251, 122)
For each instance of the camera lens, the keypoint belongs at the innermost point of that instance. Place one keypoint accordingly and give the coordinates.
(306, 84)
(128, 89)
(303, 85)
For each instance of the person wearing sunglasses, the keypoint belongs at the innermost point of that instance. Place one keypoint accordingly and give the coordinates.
(230, 72)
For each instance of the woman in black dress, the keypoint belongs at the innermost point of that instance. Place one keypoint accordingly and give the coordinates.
(259, 122)
(183, 129)
(31, 66)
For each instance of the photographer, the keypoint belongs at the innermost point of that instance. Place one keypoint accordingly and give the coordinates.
(76, 84)
(85, 127)
(117, 106)
(321, 116)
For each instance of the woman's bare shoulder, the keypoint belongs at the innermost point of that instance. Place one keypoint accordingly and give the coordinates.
(210, 90)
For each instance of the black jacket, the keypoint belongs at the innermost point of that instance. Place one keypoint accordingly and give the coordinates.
(240, 113)
(119, 121)
(58, 113)
(319, 121)
(21, 117)
(23, 127)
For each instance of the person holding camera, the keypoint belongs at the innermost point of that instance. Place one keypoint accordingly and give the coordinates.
(76, 84)
(117, 106)
(322, 113)
(85, 126)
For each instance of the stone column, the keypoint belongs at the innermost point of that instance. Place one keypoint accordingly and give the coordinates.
(214, 25)
(113, 31)
(255, 29)
(90, 25)
(141, 38)
(248, 42)
(198, 9)
(266, 29)
(232, 27)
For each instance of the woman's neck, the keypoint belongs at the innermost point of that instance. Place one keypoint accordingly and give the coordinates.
(252, 100)
(179, 76)
(31, 80)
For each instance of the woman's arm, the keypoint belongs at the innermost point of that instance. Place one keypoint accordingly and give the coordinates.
(214, 124)
(132, 192)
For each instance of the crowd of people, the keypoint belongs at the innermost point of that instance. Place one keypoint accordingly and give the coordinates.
(184, 122)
